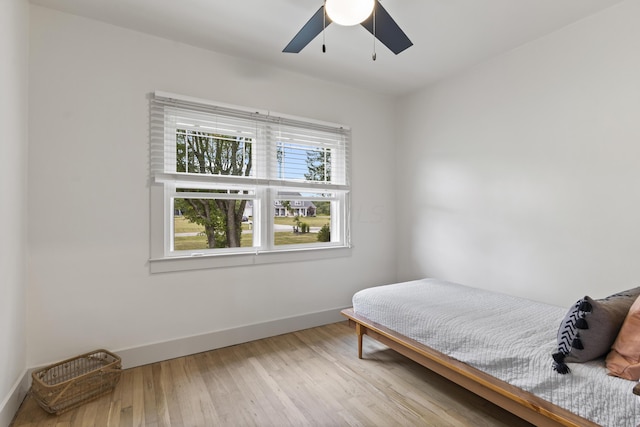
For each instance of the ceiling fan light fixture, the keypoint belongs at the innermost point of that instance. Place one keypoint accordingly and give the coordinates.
(349, 12)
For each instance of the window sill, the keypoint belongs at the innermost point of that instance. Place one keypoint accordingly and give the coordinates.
(166, 265)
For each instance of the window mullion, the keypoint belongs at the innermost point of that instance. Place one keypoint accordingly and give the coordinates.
(169, 234)
(266, 218)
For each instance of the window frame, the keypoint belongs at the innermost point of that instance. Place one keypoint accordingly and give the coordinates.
(264, 189)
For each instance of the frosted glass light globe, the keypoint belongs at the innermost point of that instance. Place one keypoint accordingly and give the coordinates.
(349, 12)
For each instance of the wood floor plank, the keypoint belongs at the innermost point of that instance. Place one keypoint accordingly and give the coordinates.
(138, 401)
(149, 406)
(113, 418)
(307, 378)
(170, 388)
(186, 395)
(160, 398)
(199, 392)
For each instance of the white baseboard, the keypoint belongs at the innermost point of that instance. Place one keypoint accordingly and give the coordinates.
(157, 352)
(9, 406)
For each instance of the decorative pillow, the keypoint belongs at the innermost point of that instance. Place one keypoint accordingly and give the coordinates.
(590, 328)
(624, 358)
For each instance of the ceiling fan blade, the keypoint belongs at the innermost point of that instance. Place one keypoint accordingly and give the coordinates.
(311, 29)
(387, 31)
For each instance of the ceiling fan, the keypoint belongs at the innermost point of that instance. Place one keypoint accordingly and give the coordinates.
(368, 13)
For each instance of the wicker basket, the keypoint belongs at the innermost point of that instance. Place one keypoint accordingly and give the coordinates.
(72, 382)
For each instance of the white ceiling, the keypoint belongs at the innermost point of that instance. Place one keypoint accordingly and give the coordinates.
(448, 35)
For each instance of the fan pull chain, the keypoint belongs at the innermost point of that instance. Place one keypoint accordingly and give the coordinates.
(374, 56)
(324, 25)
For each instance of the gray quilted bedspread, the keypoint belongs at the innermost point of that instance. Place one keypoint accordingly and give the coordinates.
(507, 337)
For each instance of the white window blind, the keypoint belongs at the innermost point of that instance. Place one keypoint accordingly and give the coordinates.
(282, 142)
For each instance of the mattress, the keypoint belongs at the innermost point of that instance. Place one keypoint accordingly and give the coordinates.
(507, 337)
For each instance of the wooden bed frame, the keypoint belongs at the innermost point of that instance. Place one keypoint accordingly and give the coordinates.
(513, 399)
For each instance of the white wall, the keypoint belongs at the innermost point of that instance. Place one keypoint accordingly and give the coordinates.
(89, 280)
(14, 42)
(525, 169)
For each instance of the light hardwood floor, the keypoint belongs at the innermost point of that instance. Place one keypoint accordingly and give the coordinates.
(307, 378)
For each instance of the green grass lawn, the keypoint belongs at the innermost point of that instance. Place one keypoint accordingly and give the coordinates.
(313, 221)
(183, 243)
(183, 225)
(282, 238)
(286, 238)
(190, 243)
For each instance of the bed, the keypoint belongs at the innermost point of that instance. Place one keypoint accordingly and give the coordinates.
(452, 330)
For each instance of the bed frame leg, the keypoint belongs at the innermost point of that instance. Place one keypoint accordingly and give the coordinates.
(360, 333)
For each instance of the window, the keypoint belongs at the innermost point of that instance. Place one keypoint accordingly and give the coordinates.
(249, 185)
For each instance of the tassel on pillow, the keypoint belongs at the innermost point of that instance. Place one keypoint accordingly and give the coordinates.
(577, 344)
(558, 363)
(581, 323)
